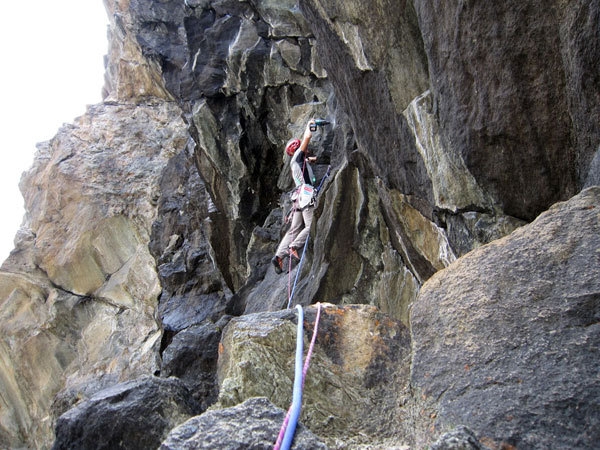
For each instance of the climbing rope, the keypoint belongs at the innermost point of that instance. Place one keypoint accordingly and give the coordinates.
(288, 428)
(289, 424)
(323, 179)
(290, 290)
(293, 289)
(312, 343)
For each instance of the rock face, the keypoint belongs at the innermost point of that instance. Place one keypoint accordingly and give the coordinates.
(151, 220)
(253, 424)
(505, 339)
(145, 410)
(359, 353)
(80, 289)
(192, 357)
(505, 80)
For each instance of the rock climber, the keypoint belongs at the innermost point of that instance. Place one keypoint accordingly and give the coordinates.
(303, 197)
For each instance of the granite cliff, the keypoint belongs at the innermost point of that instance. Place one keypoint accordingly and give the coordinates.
(456, 251)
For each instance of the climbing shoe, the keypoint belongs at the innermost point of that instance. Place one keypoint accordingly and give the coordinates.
(294, 252)
(277, 263)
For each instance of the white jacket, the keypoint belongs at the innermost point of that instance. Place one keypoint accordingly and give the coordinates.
(296, 164)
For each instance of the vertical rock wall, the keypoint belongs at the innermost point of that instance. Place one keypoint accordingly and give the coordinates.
(504, 343)
(508, 84)
(81, 286)
(153, 217)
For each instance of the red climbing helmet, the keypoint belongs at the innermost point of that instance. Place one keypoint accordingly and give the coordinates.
(292, 146)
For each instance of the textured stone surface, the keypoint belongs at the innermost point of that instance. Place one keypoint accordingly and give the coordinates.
(459, 439)
(91, 199)
(370, 246)
(462, 206)
(454, 187)
(155, 215)
(505, 78)
(193, 289)
(359, 353)
(375, 75)
(245, 82)
(253, 424)
(130, 75)
(133, 415)
(505, 340)
(192, 356)
(239, 133)
(580, 51)
(79, 291)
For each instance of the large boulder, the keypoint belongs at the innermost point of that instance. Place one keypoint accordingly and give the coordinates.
(191, 356)
(132, 415)
(505, 339)
(254, 424)
(359, 354)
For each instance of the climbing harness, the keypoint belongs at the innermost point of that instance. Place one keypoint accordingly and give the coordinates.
(288, 428)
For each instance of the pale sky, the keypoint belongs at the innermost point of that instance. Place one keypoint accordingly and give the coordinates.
(52, 66)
